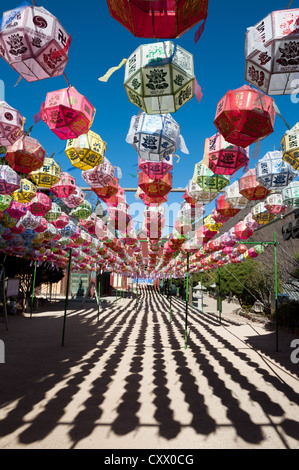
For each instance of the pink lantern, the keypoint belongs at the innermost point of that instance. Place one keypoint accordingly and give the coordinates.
(156, 170)
(33, 42)
(17, 209)
(274, 204)
(25, 155)
(10, 181)
(75, 199)
(250, 188)
(30, 221)
(43, 224)
(250, 222)
(244, 116)
(65, 186)
(99, 176)
(40, 204)
(219, 218)
(242, 231)
(67, 113)
(222, 157)
(11, 124)
(62, 220)
(7, 234)
(227, 240)
(89, 223)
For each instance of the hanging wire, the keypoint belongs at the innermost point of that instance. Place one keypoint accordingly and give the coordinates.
(241, 283)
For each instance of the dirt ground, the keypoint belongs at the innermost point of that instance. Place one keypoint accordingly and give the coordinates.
(125, 379)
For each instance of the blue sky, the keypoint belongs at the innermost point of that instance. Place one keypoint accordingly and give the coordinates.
(100, 42)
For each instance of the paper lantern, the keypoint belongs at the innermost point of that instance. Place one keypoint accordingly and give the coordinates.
(197, 194)
(234, 198)
(203, 234)
(251, 223)
(61, 221)
(28, 235)
(222, 157)
(224, 208)
(192, 211)
(47, 175)
(211, 225)
(290, 147)
(208, 180)
(242, 231)
(16, 209)
(159, 77)
(86, 151)
(115, 198)
(290, 194)
(42, 226)
(75, 199)
(219, 218)
(8, 221)
(160, 19)
(26, 192)
(155, 188)
(156, 170)
(11, 123)
(155, 137)
(25, 155)
(250, 188)
(261, 215)
(83, 211)
(274, 173)
(99, 176)
(89, 223)
(10, 181)
(65, 186)
(53, 213)
(119, 216)
(244, 116)
(34, 43)
(274, 204)
(30, 221)
(67, 113)
(40, 204)
(18, 228)
(271, 53)
(5, 201)
(149, 200)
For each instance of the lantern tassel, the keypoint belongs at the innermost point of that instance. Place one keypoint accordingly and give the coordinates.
(199, 31)
(108, 74)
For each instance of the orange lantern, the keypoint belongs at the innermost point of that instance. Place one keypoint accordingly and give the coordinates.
(250, 188)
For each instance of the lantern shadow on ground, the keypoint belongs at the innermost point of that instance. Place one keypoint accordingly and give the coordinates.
(115, 355)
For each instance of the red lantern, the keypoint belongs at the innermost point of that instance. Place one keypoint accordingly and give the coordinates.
(107, 191)
(149, 200)
(155, 188)
(116, 198)
(40, 204)
(250, 188)
(219, 218)
(16, 209)
(242, 231)
(158, 19)
(156, 170)
(203, 234)
(224, 209)
(25, 155)
(62, 220)
(67, 113)
(244, 116)
(43, 225)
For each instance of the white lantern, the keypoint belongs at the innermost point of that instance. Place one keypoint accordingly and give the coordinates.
(159, 77)
(155, 137)
(234, 198)
(271, 50)
(274, 173)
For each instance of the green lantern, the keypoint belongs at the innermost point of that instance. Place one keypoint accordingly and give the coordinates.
(5, 201)
(83, 211)
(208, 180)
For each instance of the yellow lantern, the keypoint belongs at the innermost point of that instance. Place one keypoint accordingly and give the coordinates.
(47, 175)
(26, 192)
(210, 223)
(290, 147)
(86, 151)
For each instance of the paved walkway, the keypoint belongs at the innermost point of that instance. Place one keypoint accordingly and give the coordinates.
(126, 381)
